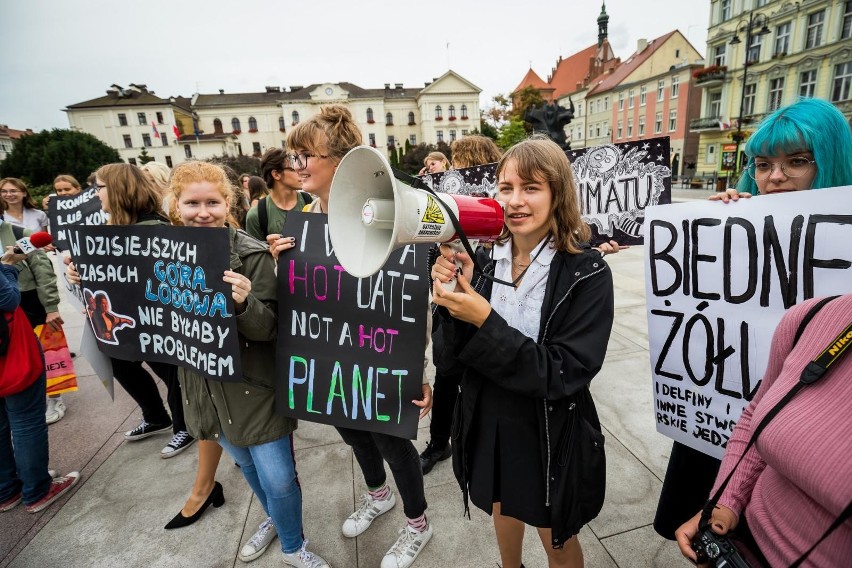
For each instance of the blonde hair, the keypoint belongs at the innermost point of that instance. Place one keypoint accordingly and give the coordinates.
(130, 192)
(539, 159)
(160, 172)
(333, 126)
(436, 156)
(474, 150)
(68, 178)
(196, 171)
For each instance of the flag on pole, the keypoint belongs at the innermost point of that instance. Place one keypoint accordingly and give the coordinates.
(176, 131)
(154, 128)
(723, 124)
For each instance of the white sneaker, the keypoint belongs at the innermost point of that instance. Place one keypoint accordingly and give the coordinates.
(363, 517)
(180, 441)
(304, 558)
(259, 541)
(407, 547)
(55, 410)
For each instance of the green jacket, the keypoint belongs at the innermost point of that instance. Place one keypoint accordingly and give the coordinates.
(243, 411)
(36, 272)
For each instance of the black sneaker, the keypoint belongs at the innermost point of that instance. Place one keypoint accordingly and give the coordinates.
(180, 441)
(432, 455)
(144, 430)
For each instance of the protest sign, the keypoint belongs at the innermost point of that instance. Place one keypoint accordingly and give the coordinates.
(81, 209)
(616, 182)
(718, 279)
(58, 364)
(350, 350)
(476, 181)
(155, 293)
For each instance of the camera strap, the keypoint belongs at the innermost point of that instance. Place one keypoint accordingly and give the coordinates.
(812, 372)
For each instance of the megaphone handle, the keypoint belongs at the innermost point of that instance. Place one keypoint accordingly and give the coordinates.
(456, 246)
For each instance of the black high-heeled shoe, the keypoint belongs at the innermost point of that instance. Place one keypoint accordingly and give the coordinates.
(216, 498)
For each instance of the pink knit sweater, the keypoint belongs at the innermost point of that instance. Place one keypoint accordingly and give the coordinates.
(797, 478)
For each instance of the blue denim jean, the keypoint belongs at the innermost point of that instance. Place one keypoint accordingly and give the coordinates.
(270, 470)
(23, 464)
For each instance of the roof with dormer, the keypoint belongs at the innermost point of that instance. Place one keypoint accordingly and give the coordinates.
(623, 71)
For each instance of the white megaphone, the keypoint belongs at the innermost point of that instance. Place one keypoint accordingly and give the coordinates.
(371, 213)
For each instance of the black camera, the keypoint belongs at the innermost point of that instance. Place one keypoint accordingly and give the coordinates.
(717, 550)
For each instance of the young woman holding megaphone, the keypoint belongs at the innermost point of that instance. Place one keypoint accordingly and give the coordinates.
(527, 446)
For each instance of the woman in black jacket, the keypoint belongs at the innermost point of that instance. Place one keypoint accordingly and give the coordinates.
(531, 333)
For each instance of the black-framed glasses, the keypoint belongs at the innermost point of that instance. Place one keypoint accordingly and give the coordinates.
(300, 161)
(794, 167)
(100, 186)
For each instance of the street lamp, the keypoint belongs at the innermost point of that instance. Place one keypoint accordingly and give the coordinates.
(754, 21)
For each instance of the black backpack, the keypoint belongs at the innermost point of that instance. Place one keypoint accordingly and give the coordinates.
(263, 214)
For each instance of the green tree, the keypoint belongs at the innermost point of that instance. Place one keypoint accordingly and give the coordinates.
(412, 161)
(488, 130)
(38, 158)
(527, 97)
(394, 158)
(497, 113)
(144, 157)
(240, 164)
(511, 133)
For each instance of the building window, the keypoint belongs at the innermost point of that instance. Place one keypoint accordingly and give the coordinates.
(726, 10)
(131, 161)
(122, 119)
(140, 116)
(235, 124)
(146, 140)
(452, 136)
(842, 80)
(658, 123)
(620, 101)
(782, 40)
(452, 110)
(370, 118)
(295, 116)
(643, 95)
(164, 138)
(748, 99)
(440, 134)
(281, 124)
(629, 127)
(846, 27)
(591, 131)
(753, 51)
(672, 120)
(776, 93)
(719, 55)
(412, 139)
(598, 130)
(169, 161)
(710, 156)
(661, 85)
(252, 124)
(439, 113)
(372, 138)
(159, 118)
(807, 83)
(630, 96)
(814, 33)
(391, 142)
(714, 104)
(217, 126)
(641, 126)
(464, 112)
(411, 119)
(606, 129)
(464, 132)
(675, 87)
(187, 150)
(389, 119)
(606, 103)
(128, 143)
(255, 148)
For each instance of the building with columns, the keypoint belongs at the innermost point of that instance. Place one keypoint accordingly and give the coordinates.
(793, 50)
(128, 120)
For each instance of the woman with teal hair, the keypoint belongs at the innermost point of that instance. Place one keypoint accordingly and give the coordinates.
(806, 145)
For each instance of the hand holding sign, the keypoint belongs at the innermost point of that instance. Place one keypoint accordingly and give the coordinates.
(240, 288)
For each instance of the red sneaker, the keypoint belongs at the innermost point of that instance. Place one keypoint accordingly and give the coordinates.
(10, 503)
(57, 489)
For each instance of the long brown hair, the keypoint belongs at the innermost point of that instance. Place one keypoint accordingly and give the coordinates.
(131, 193)
(474, 150)
(28, 201)
(539, 159)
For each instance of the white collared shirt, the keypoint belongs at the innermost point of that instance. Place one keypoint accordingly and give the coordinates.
(521, 306)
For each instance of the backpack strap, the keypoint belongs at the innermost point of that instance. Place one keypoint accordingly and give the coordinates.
(307, 197)
(263, 216)
(18, 231)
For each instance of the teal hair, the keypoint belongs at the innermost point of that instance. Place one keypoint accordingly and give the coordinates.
(809, 125)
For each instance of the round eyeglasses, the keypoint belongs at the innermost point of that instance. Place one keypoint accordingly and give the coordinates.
(794, 167)
(300, 161)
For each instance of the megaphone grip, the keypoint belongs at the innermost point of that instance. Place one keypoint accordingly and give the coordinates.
(456, 246)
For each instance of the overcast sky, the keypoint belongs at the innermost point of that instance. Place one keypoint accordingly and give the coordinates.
(61, 52)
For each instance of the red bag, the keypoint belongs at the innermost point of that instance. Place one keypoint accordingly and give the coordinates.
(23, 362)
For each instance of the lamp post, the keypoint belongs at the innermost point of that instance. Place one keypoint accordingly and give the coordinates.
(754, 21)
